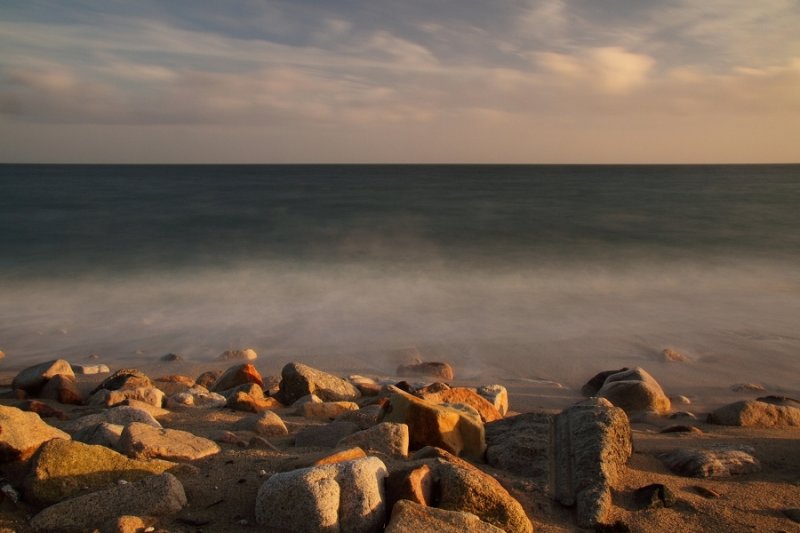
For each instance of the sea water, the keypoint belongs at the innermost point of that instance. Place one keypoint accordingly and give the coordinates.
(540, 272)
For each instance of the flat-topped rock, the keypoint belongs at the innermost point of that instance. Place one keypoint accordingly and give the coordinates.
(429, 424)
(755, 413)
(62, 469)
(298, 380)
(160, 495)
(346, 496)
(410, 516)
(32, 379)
(22, 433)
(142, 441)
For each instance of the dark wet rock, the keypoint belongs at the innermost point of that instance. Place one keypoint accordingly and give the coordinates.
(326, 436)
(754, 413)
(592, 446)
(159, 495)
(125, 378)
(654, 496)
(32, 379)
(298, 380)
(429, 369)
(715, 461)
(521, 444)
(597, 381)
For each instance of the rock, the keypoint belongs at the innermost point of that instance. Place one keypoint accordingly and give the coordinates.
(673, 356)
(430, 424)
(62, 389)
(598, 380)
(237, 375)
(90, 369)
(172, 358)
(635, 390)
(206, 379)
(521, 444)
(654, 496)
(326, 436)
(141, 441)
(62, 469)
(432, 452)
(103, 434)
(248, 354)
(121, 415)
(366, 386)
(2, 354)
(387, 438)
(124, 378)
(754, 413)
(682, 414)
(242, 401)
(683, 400)
(715, 461)
(327, 410)
(366, 417)
(705, 492)
(414, 483)
(127, 524)
(681, 429)
(322, 458)
(112, 398)
(159, 495)
(32, 379)
(42, 409)
(22, 433)
(267, 424)
(196, 398)
(462, 395)
(298, 379)
(429, 369)
(250, 389)
(592, 446)
(154, 411)
(345, 496)
(779, 400)
(470, 490)
(173, 384)
(747, 387)
(497, 395)
(411, 516)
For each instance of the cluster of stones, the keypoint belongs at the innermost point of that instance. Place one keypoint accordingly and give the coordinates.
(402, 456)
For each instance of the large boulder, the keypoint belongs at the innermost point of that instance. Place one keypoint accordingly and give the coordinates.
(592, 445)
(410, 516)
(62, 469)
(141, 441)
(635, 390)
(346, 496)
(298, 380)
(715, 461)
(463, 395)
(237, 375)
(32, 379)
(756, 413)
(470, 490)
(458, 431)
(522, 444)
(387, 438)
(125, 378)
(22, 433)
(160, 495)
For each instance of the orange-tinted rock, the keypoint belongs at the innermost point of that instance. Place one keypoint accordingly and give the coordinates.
(125, 378)
(241, 401)
(466, 396)
(43, 410)
(237, 375)
(173, 384)
(341, 456)
(409, 516)
(22, 433)
(430, 369)
(248, 354)
(62, 389)
(32, 379)
(413, 483)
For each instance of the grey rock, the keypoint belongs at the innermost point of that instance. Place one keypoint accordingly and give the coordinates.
(298, 379)
(160, 495)
(345, 497)
(754, 413)
(122, 416)
(326, 435)
(103, 434)
(715, 461)
(141, 441)
(522, 444)
(90, 369)
(387, 437)
(195, 398)
(497, 395)
(592, 446)
(33, 378)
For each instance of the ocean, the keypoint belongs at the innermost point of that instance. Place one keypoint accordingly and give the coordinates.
(540, 272)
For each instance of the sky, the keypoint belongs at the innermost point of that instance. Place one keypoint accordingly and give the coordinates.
(388, 81)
